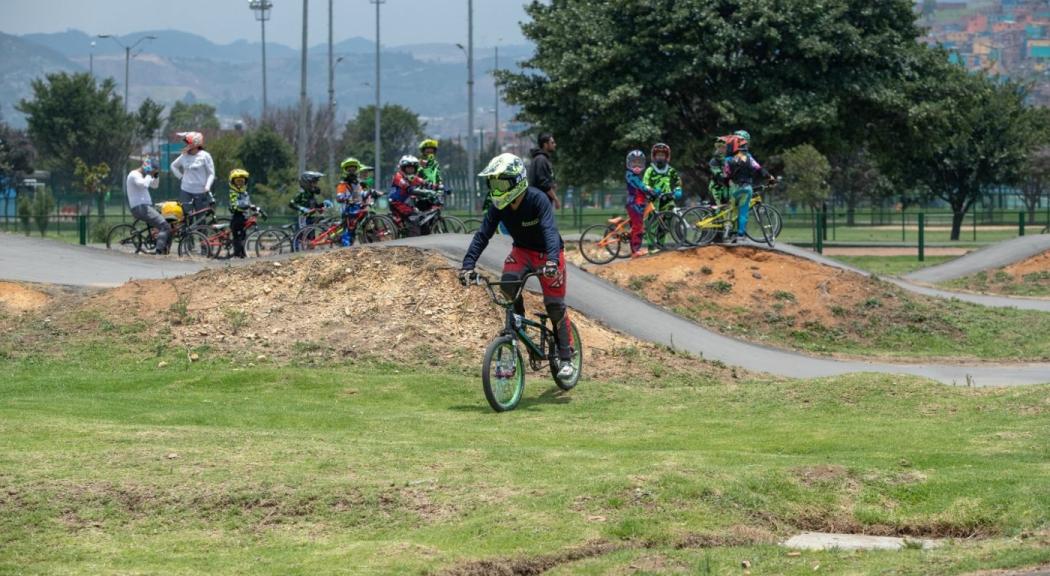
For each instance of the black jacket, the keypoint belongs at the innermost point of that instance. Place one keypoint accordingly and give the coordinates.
(541, 172)
(531, 226)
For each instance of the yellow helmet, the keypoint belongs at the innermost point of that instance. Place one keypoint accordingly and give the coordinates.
(349, 163)
(428, 143)
(171, 211)
(238, 173)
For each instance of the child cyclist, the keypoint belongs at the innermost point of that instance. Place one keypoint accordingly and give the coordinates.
(350, 194)
(638, 196)
(662, 177)
(740, 170)
(308, 202)
(403, 190)
(240, 202)
(430, 168)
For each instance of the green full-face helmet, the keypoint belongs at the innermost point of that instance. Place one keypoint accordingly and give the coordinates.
(506, 178)
(743, 134)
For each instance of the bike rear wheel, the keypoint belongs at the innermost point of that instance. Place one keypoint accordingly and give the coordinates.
(667, 230)
(449, 225)
(577, 359)
(271, 242)
(503, 374)
(600, 243)
(312, 238)
(471, 225)
(700, 228)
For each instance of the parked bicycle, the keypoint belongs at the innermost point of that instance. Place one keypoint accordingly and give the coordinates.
(216, 241)
(368, 227)
(503, 369)
(705, 222)
(601, 243)
(139, 236)
(430, 219)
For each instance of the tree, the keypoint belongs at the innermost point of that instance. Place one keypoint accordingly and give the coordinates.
(92, 180)
(25, 212)
(805, 178)
(73, 116)
(285, 121)
(183, 117)
(965, 132)
(400, 133)
(148, 120)
(16, 155)
(611, 76)
(855, 177)
(43, 205)
(224, 149)
(1035, 174)
(265, 155)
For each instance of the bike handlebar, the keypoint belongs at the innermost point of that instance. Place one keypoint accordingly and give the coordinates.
(499, 297)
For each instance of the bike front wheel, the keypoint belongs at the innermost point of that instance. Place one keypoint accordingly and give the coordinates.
(600, 243)
(701, 225)
(449, 225)
(762, 229)
(271, 242)
(503, 374)
(577, 359)
(194, 246)
(123, 238)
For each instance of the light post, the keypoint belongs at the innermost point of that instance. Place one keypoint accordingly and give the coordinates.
(331, 115)
(91, 60)
(472, 193)
(302, 93)
(495, 85)
(378, 160)
(262, 14)
(127, 59)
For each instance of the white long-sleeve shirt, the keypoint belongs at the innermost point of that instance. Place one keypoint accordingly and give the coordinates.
(197, 171)
(138, 188)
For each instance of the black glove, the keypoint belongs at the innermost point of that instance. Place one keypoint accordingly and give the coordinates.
(550, 269)
(468, 276)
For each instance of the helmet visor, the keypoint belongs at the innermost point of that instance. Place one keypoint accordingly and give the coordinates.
(505, 189)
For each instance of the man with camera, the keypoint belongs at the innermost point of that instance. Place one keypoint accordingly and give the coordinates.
(140, 180)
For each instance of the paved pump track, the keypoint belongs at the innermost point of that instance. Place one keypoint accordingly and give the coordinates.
(53, 262)
(993, 256)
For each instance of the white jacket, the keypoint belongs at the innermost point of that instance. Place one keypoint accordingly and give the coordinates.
(197, 172)
(138, 188)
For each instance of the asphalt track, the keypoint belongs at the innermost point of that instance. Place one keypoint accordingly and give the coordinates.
(37, 260)
(993, 256)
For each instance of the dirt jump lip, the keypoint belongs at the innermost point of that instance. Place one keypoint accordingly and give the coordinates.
(36, 260)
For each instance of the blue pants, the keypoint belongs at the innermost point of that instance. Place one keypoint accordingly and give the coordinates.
(742, 202)
(350, 219)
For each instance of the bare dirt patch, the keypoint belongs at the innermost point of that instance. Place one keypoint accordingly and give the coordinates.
(396, 304)
(21, 298)
(1029, 277)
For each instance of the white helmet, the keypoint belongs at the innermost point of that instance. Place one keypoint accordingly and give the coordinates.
(191, 138)
(408, 160)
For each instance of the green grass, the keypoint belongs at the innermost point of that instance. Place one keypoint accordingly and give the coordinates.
(1034, 284)
(891, 265)
(110, 465)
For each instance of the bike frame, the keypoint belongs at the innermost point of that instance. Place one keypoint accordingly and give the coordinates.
(513, 325)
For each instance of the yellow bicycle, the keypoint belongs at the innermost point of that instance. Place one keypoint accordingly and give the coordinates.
(705, 222)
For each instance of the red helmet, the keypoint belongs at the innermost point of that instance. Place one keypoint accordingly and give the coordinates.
(661, 147)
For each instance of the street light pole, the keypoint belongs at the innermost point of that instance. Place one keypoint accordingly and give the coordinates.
(495, 85)
(471, 177)
(91, 60)
(127, 60)
(302, 93)
(262, 14)
(331, 100)
(378, 121)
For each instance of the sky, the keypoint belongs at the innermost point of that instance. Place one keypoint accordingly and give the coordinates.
(224, 21)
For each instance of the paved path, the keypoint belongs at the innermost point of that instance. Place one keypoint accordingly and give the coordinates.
(1042, 305)
(602, 301)
(994, 256)
(38, 260)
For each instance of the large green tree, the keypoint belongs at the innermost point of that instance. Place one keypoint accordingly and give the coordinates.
(148, 120)
(265, 155)
(962, 135)
(610, 76)
(74, 116)
(401, 132)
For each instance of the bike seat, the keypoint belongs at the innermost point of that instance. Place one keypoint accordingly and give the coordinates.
(616, 220)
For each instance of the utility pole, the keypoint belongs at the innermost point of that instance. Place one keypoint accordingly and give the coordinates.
(91, 60)
(262, 14)
(302, 94)
(378, 160)
(471, 151)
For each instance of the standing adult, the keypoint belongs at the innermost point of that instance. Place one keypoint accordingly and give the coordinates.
(196, 169)
(140, 180)
(541, 171)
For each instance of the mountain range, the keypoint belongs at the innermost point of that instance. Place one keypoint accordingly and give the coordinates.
(429, 79)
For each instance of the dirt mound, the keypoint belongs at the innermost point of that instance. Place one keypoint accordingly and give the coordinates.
(19, 298)
(1029, 277)
(395, 304)
(793, 302)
